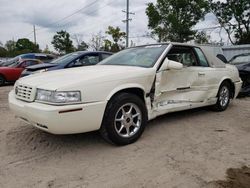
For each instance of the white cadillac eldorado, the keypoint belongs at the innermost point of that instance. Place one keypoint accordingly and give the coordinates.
(119, 95)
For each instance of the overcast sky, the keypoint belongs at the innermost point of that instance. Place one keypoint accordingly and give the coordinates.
(90, 17)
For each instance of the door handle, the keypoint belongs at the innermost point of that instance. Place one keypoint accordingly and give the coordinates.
(201, 74)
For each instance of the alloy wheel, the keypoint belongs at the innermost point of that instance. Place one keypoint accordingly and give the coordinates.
(128, 120)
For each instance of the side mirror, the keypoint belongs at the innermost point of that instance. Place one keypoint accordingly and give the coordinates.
(222, 58)
(169, 64)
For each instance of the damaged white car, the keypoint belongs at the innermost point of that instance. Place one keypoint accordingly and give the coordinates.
(123, 92)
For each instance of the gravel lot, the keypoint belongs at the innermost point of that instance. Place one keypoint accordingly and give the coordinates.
(185, 149)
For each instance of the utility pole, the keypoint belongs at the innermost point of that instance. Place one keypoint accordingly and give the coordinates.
(127, 22)
(34, 28)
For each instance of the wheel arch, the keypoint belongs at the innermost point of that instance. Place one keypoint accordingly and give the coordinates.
(2, 75)
(232, 86)
(128, 88)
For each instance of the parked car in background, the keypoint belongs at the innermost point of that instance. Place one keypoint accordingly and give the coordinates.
(75, 59)
(40, 56)
(11, 72)
(119, 95)
(242, 62)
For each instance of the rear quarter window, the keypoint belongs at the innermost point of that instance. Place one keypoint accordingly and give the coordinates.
(104, 56)
(201, 57)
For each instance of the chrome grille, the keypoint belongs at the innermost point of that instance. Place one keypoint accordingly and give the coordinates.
(24, 92)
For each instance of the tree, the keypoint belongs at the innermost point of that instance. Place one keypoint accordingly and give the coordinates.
(117, 36)
(62, 43)
(10, 45)
(201, 38)
(234, 17)
(3, 52)
(96, 41)
(24, 45)
(172, 20)
(81, 45)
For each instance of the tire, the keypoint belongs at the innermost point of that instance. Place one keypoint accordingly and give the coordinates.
(2, 80)
(124, 119)
(223, 95)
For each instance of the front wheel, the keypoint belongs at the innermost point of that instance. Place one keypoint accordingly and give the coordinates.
(223, 97)
(124, 119)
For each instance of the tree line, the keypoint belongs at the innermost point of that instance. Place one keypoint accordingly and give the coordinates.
(168, 20)
(63, 43)
(174, 20)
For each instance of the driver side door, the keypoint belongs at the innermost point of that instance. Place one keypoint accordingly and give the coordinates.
(179, 89)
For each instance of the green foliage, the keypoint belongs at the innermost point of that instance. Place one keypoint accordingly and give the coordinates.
(3, 52)
(10, 46)
(234, 17)
(117, 36)
(172, 20)
(62, 43)
(26, 46)
(201, 38)
(82, 46)
(22, 46)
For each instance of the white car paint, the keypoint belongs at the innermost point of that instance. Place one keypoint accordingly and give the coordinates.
(175, 89)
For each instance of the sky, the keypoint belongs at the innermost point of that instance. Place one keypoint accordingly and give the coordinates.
(79, 17)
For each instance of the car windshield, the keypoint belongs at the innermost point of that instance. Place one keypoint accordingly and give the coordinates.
(66, 58)
(143, 56)
(12, 63)
(241, 59)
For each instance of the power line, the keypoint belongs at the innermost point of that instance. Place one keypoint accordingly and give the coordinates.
(64, 18)
(70, 15)
(94, 12)
(28, 34)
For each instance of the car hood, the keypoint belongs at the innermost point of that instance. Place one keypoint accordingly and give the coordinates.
(243, 67)
(89, 75)
(40, 66)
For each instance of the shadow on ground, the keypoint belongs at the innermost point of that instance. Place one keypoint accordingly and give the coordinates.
(236, 178)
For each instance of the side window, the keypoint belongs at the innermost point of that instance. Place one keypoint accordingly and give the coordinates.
(104, 56)
(182, 55)
(29, 63)
(45, 58)
(28, 56)
(202, 59)
(23, 64)
(76, 63)
(90, 59)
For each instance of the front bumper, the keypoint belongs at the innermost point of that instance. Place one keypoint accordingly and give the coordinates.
(237, 86)
(68, 119)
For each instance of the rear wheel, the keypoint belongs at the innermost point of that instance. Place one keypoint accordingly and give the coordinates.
(223, 97)
(124, 119)
(2, 80)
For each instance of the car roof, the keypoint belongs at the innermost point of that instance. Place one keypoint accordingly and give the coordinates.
(89, 52)
(213, 61)
(28, 59)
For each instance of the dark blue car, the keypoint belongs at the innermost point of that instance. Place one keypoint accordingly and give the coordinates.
(75, 59)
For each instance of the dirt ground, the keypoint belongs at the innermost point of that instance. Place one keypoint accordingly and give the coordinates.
(190, 149)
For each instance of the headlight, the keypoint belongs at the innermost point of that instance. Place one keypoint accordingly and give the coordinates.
(59, 97)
